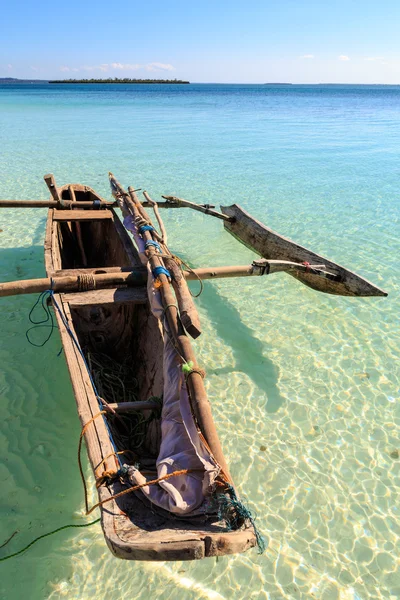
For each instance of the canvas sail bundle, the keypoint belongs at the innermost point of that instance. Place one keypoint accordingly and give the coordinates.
(181, 446)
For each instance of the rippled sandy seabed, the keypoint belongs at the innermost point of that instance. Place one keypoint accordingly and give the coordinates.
(304, 387)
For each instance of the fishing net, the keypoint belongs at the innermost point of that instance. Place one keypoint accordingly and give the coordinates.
(136, 433)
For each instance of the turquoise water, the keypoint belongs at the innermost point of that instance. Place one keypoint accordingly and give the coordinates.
(304, 387)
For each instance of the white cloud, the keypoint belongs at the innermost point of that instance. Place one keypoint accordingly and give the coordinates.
(9, 67)
(307, 56)
(372, 58)
(343, 57)
(126, 67)
(117, 66)
(34, 68)
(156, 66)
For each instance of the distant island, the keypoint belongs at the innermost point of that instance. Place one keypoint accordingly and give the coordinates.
(15, 80)
(117, 80)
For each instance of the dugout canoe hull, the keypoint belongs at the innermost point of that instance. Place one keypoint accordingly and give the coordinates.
(271, 245)
(117, 322)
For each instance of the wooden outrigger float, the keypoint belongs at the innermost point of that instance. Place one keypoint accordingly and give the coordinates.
(124, 312)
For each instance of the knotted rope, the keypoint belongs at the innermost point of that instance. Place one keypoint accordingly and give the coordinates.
(86, 282)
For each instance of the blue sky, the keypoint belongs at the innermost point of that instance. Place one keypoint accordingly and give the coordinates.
(299, 41)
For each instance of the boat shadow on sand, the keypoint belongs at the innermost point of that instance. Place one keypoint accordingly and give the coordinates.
(247, 349)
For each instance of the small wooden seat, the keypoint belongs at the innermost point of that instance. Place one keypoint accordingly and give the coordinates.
(131, 295)
(81, 215)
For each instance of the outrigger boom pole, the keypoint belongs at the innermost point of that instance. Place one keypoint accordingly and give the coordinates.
(138, 277)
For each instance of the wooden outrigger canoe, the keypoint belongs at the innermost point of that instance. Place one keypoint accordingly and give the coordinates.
(115, 343)
(116, 325)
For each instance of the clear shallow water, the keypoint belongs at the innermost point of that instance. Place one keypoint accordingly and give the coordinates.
(304, 387)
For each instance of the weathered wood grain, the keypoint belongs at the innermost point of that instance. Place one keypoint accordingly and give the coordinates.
(81, 215)
(271, 245)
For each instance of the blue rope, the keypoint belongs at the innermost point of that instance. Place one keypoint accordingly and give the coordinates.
(157, 271)
(152, 243)
(42, 301)
(144, 228)
(49, 317)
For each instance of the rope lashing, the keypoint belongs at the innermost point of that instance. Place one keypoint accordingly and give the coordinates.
(107, 477)
(142, 485)
(168, 306)
(188, 369)
(157, 271)
(144, 228)
(179, 261)
(86, 282)
(156, 245)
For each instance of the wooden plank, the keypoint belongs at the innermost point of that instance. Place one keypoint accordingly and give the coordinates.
(272, 245)
(81, 215)
(93, 271)
(55, 245)
(48, 255)
(111, 296)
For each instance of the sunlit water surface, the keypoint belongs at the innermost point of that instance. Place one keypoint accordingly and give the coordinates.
(304, 387)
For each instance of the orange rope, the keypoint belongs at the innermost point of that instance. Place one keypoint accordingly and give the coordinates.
(102, 412)
(103, 460)
(141, 485)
